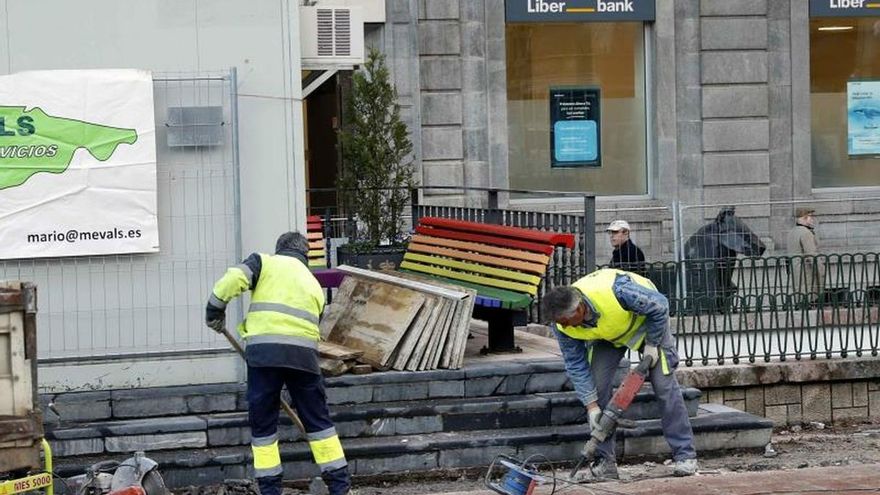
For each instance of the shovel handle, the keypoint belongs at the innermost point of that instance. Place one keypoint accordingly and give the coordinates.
(284, 405)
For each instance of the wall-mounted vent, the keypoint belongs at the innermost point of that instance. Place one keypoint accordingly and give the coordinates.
(342, 32)
(331, 37)
(325, 32)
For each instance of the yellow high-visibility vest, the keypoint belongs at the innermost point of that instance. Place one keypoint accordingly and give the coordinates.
(615, 324)
(286, 303)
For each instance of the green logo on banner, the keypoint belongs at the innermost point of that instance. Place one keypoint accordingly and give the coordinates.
(32, 142)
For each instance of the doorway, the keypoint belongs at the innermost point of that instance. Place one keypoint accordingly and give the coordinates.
(323, 113)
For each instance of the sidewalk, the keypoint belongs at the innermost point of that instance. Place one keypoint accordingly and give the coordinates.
(843, 480)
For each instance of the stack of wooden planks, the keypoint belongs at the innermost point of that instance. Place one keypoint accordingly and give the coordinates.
(399, 321)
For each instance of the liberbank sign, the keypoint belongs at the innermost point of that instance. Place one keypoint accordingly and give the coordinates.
(844, 8)
(579, 10)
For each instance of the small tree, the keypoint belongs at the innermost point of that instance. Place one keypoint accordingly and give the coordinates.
(377, 168)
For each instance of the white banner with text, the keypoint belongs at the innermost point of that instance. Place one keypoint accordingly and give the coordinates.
(77, 163)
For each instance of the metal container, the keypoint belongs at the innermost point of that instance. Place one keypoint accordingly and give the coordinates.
(21, 425)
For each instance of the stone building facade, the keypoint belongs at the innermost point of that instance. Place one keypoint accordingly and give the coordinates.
(728, 112)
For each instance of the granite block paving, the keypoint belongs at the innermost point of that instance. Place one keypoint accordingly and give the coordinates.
(169, 441)
(142, 408)
(439, 389)
(719, 427)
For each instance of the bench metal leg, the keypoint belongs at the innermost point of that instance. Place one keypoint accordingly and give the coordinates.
(501, 340)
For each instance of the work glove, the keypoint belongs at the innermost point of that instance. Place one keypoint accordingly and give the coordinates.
(595, 415)
(215, 318)
(653, 352)
(217, 325)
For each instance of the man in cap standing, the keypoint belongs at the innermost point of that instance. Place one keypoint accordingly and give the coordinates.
(626, 256)
(807, 268)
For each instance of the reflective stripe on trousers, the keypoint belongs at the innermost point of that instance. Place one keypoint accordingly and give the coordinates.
(267, 458)
(309, 400)
(326, 449)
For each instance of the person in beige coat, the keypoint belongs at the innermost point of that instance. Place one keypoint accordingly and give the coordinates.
(807, 269)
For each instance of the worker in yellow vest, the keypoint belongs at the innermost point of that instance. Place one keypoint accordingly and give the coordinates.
(281, 333)
(595, 321)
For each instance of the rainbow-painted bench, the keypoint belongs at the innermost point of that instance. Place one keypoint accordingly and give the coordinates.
(505, 265)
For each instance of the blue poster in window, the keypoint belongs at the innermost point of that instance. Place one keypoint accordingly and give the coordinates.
(863, 117)
(575, 138)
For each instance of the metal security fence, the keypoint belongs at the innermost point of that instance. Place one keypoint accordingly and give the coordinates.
(736, 293)
(566, 265)
(742, 250)
(745, 295)
(102, 306)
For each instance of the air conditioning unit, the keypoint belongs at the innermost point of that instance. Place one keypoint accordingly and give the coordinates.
(373, 10)
(331, 37)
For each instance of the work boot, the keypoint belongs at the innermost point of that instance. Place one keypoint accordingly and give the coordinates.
(338, 481)
(270, 485)
(604, 469)
(685, 467)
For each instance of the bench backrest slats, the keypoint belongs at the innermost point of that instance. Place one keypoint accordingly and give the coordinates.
(469, 277)
(486, 239)
(315, 236)
(539, 236)
(505, 264)
(537, 258)
(524, 266)
(473, 267)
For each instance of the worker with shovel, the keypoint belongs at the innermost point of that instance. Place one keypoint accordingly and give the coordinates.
(596, 320)
(281, 332)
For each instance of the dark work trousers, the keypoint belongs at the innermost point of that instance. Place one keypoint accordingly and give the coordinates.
(674, 421)
(309, 401)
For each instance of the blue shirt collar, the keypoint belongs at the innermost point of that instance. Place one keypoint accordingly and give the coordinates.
(593, 320)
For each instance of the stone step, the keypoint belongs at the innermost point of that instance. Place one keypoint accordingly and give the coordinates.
(716, 428)
(484, 380)
(352, 421)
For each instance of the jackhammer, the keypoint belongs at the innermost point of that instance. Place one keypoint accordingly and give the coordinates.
(137, 475)
(612, 416)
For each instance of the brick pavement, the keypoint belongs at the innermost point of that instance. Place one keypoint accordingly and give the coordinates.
(843, 480)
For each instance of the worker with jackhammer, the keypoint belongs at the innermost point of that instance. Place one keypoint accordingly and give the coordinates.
(281, 333)
(595, 321)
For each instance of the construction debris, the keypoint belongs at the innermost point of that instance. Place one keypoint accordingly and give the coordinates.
(399, 321)
(335, 359)
(361, 369)
(334, 367)
(330, 350)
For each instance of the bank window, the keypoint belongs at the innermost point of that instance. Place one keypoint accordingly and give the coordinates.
(845, 101)
(604, 56)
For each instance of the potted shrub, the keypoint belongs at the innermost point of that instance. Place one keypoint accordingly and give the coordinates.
(377, 170)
